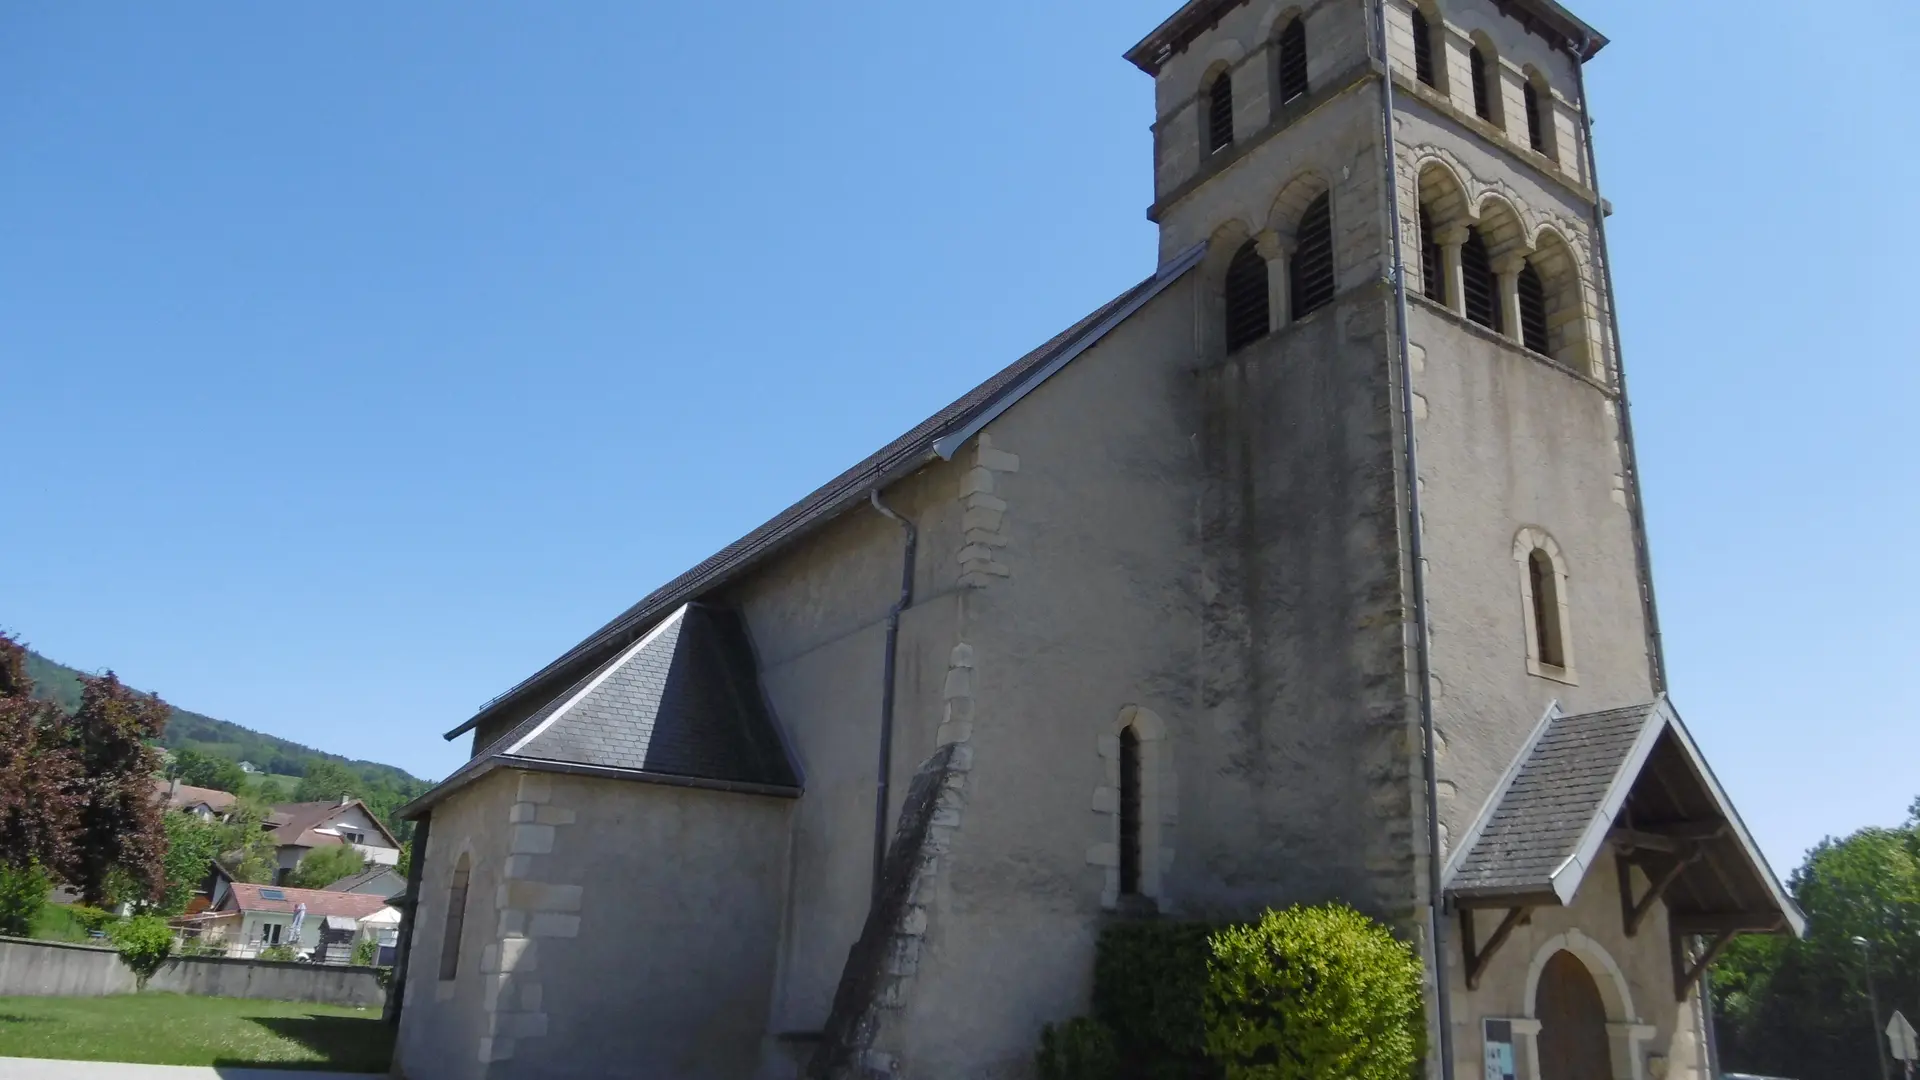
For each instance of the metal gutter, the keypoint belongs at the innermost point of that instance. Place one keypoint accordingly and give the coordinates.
(883, 784)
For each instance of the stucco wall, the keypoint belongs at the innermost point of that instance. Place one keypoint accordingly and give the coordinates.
(612, 927)
(1634, 975)
(58, 969)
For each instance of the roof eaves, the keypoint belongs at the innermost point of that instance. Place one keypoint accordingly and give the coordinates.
(830, 501)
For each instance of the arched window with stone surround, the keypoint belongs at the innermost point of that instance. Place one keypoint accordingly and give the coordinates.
(1219, 119)
(1291, 45)
(1130, 800)
(1533, 310)
(1248, 314)
(1479, 282)
(456, 920)
(1482, 69)
(1135, 803)
(1424, 67)
(1433, 275)
(1547, 614)
(1536, 124)
(1310, 273)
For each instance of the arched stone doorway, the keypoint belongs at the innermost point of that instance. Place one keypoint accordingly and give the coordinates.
(1574, 1040)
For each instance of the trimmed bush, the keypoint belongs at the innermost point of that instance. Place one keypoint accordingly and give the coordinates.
(1080, 1049)
(364, 951)
(278, 952)
(1150, 989)
(144, 942)
(92, 919)
(1311, 993)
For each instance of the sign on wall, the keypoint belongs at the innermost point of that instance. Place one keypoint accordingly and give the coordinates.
(1499, 1050)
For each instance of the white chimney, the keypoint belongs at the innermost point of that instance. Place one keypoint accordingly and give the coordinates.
(345, 799)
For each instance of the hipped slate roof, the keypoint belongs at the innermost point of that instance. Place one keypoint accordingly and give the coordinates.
(682, 704)
(940, 435)
(1584, 780)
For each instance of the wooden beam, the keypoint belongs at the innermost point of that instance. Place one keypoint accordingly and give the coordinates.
(1671, 838)
(1686, 976)
(1733, 922)
(1479, 959)
(1643, 907)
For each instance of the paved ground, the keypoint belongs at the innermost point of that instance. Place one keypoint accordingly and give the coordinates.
(48, 1069)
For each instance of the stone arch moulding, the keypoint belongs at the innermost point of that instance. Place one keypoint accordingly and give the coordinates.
(1292, 200)
(1277, 17)
(1159, 805)
(1475, 191)
(1625, 1031)
(1525, 543)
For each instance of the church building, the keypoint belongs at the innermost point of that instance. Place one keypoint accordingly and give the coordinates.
(1310, 568)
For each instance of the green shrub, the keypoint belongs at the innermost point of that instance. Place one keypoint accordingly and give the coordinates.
(93, 919)
(364, 951)
(23, 892)
(1150, 989)
(1311, 993)
(278, 952)
(144, 942)
(1080, 1049)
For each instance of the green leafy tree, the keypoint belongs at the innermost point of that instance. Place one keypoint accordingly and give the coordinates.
(364, 952)
(1801, 1008)
(192, 846)
(326, 865)
(40, 779)
(1314, 992)
(119, 826)
(247, 851)
(144, 944)
(328, 781)
(207, 771)
(23, 893)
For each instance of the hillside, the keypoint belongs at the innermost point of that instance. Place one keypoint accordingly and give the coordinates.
(192, 731)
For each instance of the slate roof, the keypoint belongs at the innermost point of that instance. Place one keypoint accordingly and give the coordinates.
(684, 702)
(929, 439)
(1578, 778)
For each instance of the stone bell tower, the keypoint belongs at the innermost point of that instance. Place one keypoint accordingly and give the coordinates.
(1533, 581)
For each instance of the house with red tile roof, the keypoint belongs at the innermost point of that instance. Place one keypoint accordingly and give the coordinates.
(251, 918)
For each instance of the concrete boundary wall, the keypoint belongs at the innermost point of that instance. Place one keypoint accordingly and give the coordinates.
(62, 969)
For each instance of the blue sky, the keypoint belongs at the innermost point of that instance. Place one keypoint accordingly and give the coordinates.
(355, 361)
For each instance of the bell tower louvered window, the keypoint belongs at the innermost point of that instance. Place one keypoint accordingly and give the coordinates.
(1249, 316)
(1536, 133)
(1220, 113)
(1482, 288)
(1130, 800)
(1311, 271)
(1293, 60)
(1533, 309)
(1423, 50)
(1433, 283)
(1482, 92)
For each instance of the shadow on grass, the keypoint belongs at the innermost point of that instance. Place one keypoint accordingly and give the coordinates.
(16, 1018)
(341, 1043)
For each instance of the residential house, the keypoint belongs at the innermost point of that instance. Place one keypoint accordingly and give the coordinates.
(298, 828)
(207, 804)
(375, 880)
(252, 918)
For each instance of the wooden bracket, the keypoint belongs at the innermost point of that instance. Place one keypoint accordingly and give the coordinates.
(1633, 913)
(1687, 975)
(1478, 959)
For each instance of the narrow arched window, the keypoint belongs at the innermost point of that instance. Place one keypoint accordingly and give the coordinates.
(1129, 812)
(1423, 50)
(1477, 278)
(1293, 60)
(1220, 113)
(1249, 316)
(1310, 273)
(1536, 130)
(1482, 92)
(1533, 309)
(456, 920)
(1433, 270)
(1545, 583)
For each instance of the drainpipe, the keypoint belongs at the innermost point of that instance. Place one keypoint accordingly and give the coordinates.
(1417, 557)
(1629, 458)
(409, 914)
(882, 790)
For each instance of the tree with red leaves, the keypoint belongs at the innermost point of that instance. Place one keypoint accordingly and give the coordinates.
(40, 785)
(121, 831)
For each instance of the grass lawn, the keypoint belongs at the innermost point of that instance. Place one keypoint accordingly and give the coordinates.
(172, 1029)
(56, 923)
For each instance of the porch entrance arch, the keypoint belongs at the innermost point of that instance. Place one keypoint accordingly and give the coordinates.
(1574, 1043)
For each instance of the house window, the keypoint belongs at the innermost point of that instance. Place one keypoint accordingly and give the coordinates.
(1130, 797)
(1293, 60)
(1433, 283)
(1533, 310)
(1423, 50)
(1482, 93)
(1220, 113)
(270, 933)
(1536, 132)
(1248, 314)
(352, 836)
(456, 920)
(1482, 288)
(1311, 271)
